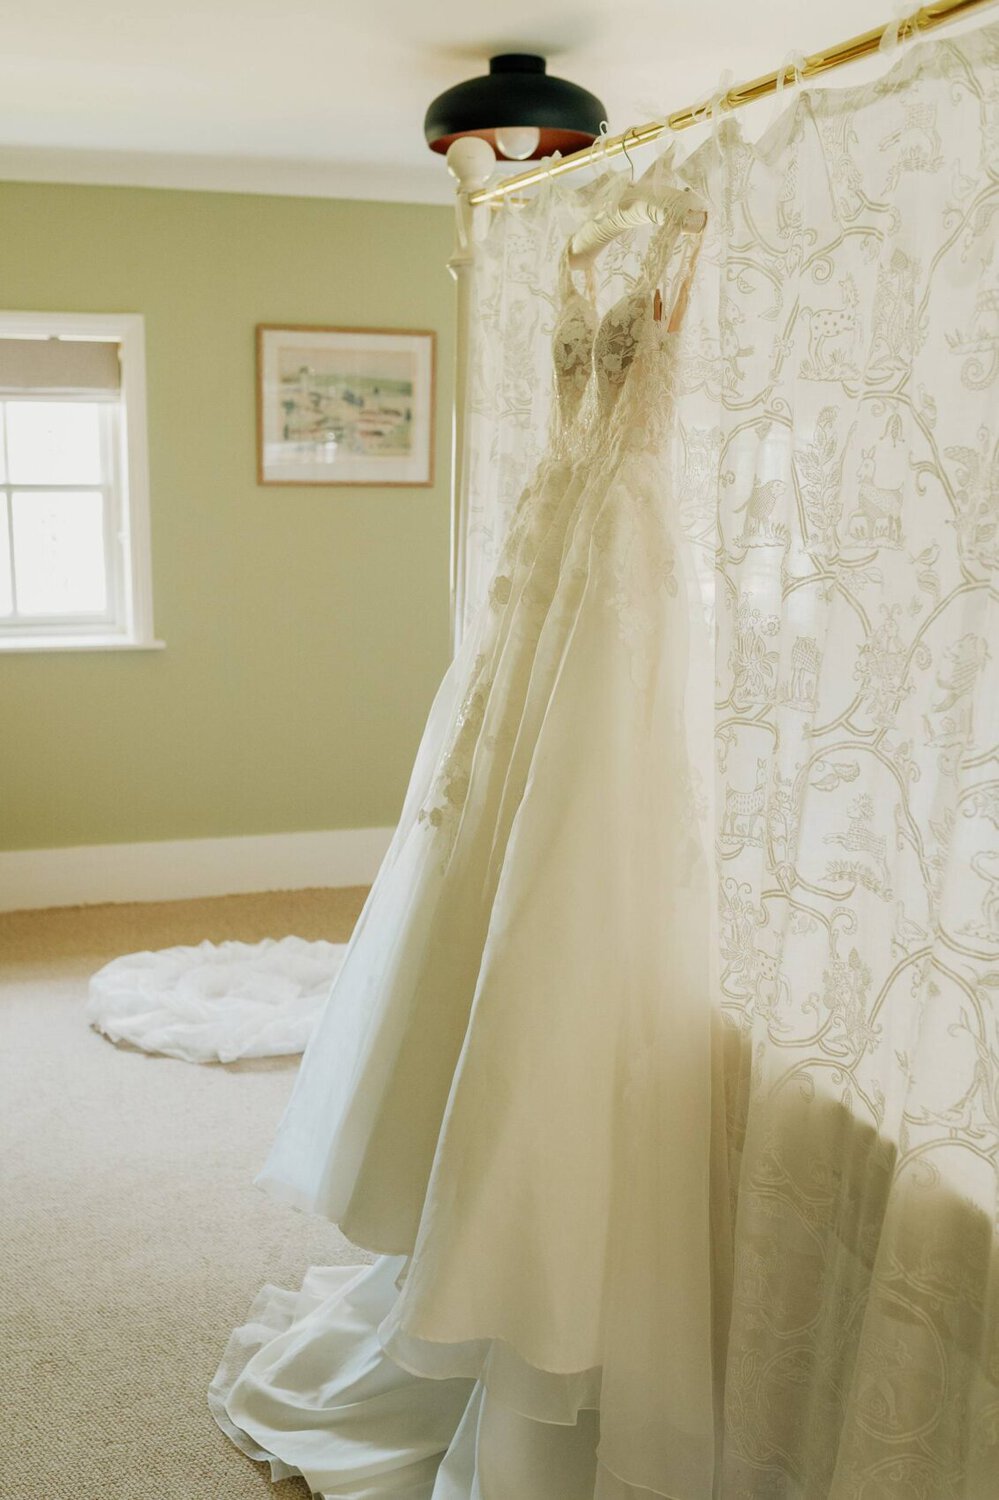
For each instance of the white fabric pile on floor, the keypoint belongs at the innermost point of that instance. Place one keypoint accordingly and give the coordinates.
(218, 1001)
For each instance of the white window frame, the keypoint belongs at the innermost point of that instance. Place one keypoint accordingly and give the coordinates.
(129, 623)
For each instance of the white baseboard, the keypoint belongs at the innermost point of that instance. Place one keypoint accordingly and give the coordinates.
(177, 869)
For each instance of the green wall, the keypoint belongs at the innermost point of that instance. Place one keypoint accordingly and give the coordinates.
(305, 629)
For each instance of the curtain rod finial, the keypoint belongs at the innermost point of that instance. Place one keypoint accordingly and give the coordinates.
(470, 160)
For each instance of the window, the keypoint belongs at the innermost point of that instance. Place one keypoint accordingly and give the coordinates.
(74, 522)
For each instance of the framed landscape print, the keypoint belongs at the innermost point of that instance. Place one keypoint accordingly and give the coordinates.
(345, 405)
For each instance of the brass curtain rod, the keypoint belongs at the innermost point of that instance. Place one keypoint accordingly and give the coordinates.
(926, 19)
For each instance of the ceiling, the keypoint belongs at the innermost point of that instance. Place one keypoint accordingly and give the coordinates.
(317, 96)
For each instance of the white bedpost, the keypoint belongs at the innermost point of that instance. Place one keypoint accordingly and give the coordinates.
(470, 161)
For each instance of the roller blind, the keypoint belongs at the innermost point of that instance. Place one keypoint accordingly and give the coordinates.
(54, 364)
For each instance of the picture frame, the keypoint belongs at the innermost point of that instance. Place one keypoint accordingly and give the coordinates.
(345, 406)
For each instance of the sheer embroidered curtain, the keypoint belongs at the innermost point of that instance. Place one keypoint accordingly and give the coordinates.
(837, 449)
(836, 464)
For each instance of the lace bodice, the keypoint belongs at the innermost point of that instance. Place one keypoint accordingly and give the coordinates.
(594, 355)
(572, 347)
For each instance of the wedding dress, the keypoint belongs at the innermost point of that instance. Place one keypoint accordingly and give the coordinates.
(510, 1096)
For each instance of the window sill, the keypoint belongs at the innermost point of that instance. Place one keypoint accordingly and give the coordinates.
(14, 646)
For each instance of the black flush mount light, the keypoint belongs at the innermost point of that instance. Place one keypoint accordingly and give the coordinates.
(518, 108)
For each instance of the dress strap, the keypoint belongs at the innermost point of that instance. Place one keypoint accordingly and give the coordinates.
(691, 242)
(671, 258)
(567, 288)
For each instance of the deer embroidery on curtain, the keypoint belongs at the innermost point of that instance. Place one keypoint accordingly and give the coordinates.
(878, 517)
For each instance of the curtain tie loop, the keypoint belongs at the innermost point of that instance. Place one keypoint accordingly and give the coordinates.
(794, 63)
(709, 108)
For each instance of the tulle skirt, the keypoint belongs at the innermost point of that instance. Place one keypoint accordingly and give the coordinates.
(510, 1097)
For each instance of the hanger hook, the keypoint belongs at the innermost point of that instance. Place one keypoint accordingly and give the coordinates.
(599, 147)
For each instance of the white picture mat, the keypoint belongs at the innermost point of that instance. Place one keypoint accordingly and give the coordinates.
(279, 464)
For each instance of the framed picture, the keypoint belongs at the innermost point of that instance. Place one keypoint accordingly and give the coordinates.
(345, 405)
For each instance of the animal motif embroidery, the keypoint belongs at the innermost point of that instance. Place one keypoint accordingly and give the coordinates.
(858, 837)
(804, 679)
(830, 350)
(758, 509)
(744, 810)
(878, 517)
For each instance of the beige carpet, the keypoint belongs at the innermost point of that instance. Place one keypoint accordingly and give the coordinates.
(131, 1237)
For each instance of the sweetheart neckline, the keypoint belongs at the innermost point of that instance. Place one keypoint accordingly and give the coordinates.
(601, 319)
